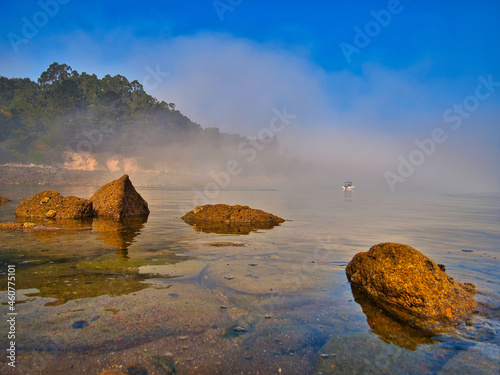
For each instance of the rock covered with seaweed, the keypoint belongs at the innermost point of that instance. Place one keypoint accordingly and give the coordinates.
(226, 219)
(115, 200)
(51, 204)
(410, 286)
(118, 199)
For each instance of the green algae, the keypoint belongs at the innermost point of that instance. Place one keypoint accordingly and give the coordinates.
(63, 277)
(121, 264)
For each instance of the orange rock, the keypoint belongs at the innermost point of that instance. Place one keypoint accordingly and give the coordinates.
(50, 203)
(410, 285)
(225, 219)
(118, 199)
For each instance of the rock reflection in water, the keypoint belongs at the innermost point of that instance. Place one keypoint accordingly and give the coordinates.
(388, 329)
(75, 270)
(119, 233)
(49, 230)
(223, 228)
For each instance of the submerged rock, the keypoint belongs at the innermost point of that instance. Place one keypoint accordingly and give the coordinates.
(3, 200)
(119, 199)
(51, 204)
(10, 225)
(112, 372)
(226, 219)
(137, 369)
(409, 285)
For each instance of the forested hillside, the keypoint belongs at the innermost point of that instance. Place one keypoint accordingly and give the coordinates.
(78, 122)
(66, 110)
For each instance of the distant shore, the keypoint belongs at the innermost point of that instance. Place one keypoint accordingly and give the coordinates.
(32, 174)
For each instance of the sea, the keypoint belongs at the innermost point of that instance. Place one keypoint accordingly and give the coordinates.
(159, 296)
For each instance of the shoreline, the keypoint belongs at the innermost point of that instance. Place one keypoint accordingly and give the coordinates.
(45, 175)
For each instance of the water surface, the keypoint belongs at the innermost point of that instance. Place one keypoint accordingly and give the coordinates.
(162, 295)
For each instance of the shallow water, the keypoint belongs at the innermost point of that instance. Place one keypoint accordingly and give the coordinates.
(161, 295)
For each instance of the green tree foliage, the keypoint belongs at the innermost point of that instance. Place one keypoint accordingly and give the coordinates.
(38, 120)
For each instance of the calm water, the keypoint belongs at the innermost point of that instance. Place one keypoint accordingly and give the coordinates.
(101, 295)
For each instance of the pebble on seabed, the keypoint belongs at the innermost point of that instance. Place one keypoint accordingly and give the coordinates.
(229, 277)
(239, 329)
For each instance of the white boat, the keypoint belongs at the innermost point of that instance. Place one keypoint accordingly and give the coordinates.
(348, 186)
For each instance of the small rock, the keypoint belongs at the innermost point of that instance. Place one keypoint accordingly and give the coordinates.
(470, 287)
(51, 214)
(467, 250)
(325, 355)
(229, 277)
(253, 264)
(239, 329)
(182, 338)
(267, 316)
(3, 200)
(223, 307)
(112, 372)
(442, 267)
(137, 369)
(80, 324)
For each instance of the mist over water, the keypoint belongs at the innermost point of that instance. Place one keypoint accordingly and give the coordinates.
(292, 122)
(344, 126)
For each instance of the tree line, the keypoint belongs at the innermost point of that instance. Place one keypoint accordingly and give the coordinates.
(39, 120)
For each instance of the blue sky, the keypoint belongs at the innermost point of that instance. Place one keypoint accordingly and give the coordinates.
(230, 68)
(460, 37)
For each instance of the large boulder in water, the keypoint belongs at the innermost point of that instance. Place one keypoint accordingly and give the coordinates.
(226, 219)
(224, 213)
(118, 199)
(51, 204)
(410, 286)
